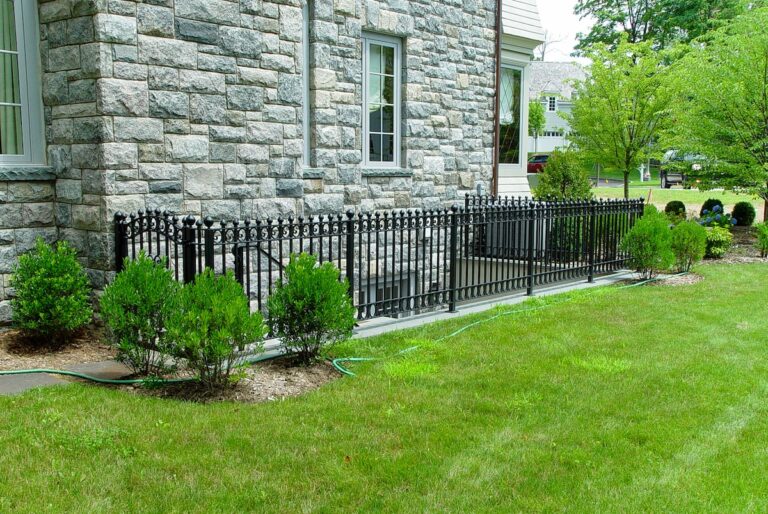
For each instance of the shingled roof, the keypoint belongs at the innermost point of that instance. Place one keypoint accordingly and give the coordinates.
(554, 78)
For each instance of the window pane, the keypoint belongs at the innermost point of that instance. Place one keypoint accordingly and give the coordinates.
(509, 116)
(388, 119)
(387, 148)
(10, 131)
(9, 79)
(7, 26)
(374, 118)
(389, 60)
(374, 89)
(388, 90)
(374, 59)
(374, 147)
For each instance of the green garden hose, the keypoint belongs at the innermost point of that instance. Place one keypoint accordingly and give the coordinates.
(337, 363)
(97, 379)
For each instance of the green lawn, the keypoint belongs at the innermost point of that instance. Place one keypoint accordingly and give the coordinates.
(647, 399)
(692, 198)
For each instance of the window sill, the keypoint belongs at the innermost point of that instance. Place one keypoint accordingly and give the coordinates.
(13, 173)
(387, 172)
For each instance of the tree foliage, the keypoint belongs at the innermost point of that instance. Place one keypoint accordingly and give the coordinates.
(564, 176)
(621, 107)
(722, 108)
(536, 119)
(662, 23)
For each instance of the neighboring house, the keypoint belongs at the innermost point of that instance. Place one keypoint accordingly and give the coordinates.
(244, 109)
(552, 84)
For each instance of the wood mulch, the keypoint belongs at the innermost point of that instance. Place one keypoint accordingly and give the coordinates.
(17, 352)
(263, 382)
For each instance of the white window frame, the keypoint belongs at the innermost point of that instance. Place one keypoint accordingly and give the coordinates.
(515, 167)
(305, 51)
(551, 104)
(396, 44)
(27, 34)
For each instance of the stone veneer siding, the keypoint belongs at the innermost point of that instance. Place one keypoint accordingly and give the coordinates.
(196, 106)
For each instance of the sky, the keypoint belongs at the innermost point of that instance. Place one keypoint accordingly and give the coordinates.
(557, 17)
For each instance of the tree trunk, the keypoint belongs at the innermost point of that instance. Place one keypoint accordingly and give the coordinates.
(765, 209)
(626, 184)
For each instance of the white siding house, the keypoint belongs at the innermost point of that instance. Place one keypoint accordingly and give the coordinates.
(552, 84)
(521, 34)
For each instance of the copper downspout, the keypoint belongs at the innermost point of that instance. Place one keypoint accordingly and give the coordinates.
(497, 109)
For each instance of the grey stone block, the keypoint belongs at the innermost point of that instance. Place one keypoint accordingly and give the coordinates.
(204, 181)
(122, 97)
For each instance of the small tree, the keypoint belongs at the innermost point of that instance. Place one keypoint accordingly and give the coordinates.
(622, 106)
(536, 122)
(564, 176)
(310, 309)
(52, 293)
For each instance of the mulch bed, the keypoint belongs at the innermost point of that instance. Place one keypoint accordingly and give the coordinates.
(263, 382)
(17, 352)
(743, 250)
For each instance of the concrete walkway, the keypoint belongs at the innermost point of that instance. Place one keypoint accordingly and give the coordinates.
(15, 384)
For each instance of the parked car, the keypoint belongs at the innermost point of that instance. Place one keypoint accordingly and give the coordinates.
(537, 162)
(676, 168)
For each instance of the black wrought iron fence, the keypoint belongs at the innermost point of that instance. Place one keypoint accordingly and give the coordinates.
(398, 262)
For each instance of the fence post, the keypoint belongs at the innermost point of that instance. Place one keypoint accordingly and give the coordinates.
(121, 241)
(532, 210)
(350, 251)
(208, 237)
(188, 248)
(592, 226)
(237, 251)
(453, 260)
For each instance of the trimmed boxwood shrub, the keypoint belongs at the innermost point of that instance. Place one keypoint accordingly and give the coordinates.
(310, 309)
(675, 207)
(135, 309)
(649, 244)
(689, 243)
(744, 214)
(52, 293)
(211, 326)
(719, 241)
(709, 206)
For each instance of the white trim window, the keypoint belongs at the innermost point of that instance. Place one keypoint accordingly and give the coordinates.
(382, 83)
(305, 104)
(511, 116)
(21, 116)
(552, 104)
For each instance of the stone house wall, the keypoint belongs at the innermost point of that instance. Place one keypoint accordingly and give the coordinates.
(195, 106)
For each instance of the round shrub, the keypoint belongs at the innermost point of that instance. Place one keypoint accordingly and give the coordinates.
(649, 245)
(135, 309)
(689, 243)
(564, 177)
(310, 309)
(744, 214)
(52, 293)
(719, 241)
(211, 325)
(675, 207)
(709, 206)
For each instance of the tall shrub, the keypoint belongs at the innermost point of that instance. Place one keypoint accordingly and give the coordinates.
(136, 308)
(649, 245)
(52, 293)
(310, 309)
(564, 177)
(211, 325)
(762, 239)
(689, 243)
